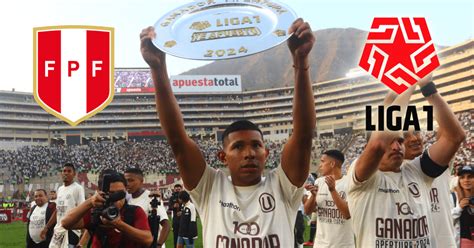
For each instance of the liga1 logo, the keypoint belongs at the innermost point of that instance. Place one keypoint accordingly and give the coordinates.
(399, 51)
(73, 70)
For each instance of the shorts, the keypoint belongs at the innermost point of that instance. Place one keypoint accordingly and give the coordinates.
(188, 243)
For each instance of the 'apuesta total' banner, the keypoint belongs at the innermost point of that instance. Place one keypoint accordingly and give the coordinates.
(206, 83)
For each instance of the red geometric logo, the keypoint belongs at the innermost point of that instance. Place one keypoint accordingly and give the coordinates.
(399, 51)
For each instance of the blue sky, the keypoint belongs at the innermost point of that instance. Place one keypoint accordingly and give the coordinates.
(450, 23)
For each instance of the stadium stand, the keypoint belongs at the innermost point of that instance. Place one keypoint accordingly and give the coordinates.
(127, 133)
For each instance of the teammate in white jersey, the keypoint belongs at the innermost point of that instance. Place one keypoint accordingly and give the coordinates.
(37, 219)
(246, 210)
(70, 195)
(328, 198)
(440, 194)
(140, 197)
(389, 197)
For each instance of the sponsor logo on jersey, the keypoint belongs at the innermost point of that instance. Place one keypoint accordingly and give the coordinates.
(391, 191)
(229, 205)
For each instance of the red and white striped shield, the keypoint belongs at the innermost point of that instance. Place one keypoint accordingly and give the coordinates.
(73, 70)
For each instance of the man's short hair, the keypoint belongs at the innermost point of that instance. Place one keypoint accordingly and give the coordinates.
(336, 154)
(44, 191)
(114, 177)
(135, 171)
(70, 165)
(177, 185)
(52, 191)
(184, 196)
(240, 125)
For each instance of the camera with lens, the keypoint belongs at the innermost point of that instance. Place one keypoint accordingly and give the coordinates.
(109, 210)
(173, 199)
(471, 200)
(175, 195)
(154, 218)
(155, 202)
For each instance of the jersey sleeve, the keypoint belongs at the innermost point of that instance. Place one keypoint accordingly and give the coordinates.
(200, 194)
(141, 219)
(193, 212)
(87, 219)
(354, 185)
(162, 212)
(415, 166)
(79, 195)
(292, 194)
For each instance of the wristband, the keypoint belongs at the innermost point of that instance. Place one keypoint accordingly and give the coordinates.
(428, 89)
(301, 68)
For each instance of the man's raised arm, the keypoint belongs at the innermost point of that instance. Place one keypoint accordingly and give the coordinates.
(189, 158)
(368, 162)
(452, 134)
(297, 151)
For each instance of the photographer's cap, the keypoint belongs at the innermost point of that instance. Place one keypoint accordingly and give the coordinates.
(466, 169)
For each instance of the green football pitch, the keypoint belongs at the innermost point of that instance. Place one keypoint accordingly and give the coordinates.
(13, 235)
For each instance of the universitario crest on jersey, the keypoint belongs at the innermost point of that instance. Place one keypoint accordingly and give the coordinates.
(73, 70)
(399, 51)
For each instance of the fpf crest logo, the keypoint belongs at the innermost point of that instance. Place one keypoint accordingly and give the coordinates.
(399, 51)
(73, 70)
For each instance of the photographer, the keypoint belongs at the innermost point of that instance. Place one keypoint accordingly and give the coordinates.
(187, 226)
(142, 198)
(128, 229)
(175, 207)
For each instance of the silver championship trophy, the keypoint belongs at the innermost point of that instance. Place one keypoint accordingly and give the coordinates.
(223, 29)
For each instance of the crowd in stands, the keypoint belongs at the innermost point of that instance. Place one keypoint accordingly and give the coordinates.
(356, 148)
(464, 155)
(135, 99)
(338, 141)
(133, 79)
(153, 157)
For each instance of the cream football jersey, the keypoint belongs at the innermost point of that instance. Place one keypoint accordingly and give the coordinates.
(392, 209)
(261, 215)
(333, 230)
